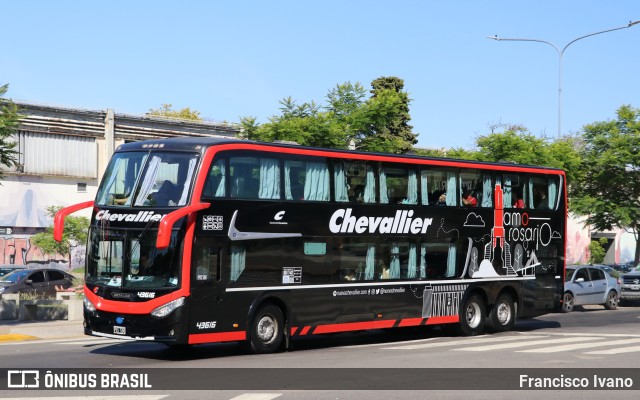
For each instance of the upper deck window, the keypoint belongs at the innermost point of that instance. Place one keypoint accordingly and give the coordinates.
(147, 179)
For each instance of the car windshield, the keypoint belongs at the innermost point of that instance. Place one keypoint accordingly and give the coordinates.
(14, 277)
(129, 259)
(147, 179)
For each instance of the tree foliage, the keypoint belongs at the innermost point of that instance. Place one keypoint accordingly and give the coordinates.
(75, 233)
(375, 124)
(597, 251)
(9, 118)
(167, 111)
(608, 189)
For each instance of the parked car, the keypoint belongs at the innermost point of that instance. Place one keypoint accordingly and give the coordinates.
(589, 285)
(7, 268)
(42, 282)
(630, 285)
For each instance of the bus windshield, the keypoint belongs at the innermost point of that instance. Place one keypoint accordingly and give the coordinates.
(129, 259)
(147, 179)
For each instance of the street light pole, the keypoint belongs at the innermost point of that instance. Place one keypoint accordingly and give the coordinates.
(560, 54)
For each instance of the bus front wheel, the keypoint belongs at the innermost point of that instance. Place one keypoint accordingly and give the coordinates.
(267, 330)
(472, 316)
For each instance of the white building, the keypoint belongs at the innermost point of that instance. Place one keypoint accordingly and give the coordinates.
(63, 154)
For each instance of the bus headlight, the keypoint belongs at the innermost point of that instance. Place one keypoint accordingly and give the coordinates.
(88, 305)
(168, 308)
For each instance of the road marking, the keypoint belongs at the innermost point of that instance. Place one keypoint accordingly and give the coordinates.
(578, 346)
(257, 396)
(621, 350)
(463, 342)
(46, 341)
(123, 397)
(527, 343)
(89, 342)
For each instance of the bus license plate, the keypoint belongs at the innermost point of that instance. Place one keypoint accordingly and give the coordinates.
(119, 330)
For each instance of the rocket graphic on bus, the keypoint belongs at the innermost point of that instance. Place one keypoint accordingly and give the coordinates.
(497, 253)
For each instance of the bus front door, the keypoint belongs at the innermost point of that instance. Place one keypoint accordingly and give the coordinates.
(207, 291)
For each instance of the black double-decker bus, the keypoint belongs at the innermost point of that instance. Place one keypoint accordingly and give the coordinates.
(196, 240)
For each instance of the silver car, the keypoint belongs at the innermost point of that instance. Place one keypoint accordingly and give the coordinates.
(589, 285)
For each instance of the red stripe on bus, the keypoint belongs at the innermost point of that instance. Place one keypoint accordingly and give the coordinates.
(293, 330)
(218, 337)
(371, 157)
(447, 319)
(411, 322)
(354, 326)
(305, 330)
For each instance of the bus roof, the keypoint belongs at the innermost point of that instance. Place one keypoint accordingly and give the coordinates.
(191, 143)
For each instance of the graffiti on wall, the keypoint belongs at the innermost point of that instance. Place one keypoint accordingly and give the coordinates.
(19, 250)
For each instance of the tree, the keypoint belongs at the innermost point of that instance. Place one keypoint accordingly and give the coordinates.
(75, 234)
(387, 119)
(376, 124)
(9, 118)
(597, 251)
(608, 190)
(514, 143)
(167, 111)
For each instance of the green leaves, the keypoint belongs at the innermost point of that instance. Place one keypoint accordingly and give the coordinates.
(9, 118)
(375, 124)
(75, 233)
(607, 190)
(167, 111)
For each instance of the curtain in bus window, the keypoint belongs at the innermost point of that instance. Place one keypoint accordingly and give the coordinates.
(316, 185)
(412, 189)
(187, 183)
(370, 261)
(370, 186)
(149, 181)
(451, 189)
(423, 260)
(451, 260)
(487, 191)
(384, 195)
(424, 188)
(238, 257)
(506, 192)
(529, 200)
(287, 181)
(553, 192)
(220, 190)
(340, 178)
(411, 264)
(394, 266)
(269, 179)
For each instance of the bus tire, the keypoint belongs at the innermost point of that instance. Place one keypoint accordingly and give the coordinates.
(472, 316)
(503, 314)
(267, 330)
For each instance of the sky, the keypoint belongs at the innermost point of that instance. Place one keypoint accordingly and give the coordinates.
(230, 59)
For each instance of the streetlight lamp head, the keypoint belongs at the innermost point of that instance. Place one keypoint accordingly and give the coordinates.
(633, 23)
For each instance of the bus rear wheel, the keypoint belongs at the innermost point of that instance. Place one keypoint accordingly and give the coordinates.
(503, 314)
(472, 316)
(267, 330)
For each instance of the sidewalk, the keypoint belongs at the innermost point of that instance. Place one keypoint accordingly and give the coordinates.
(34, 330)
